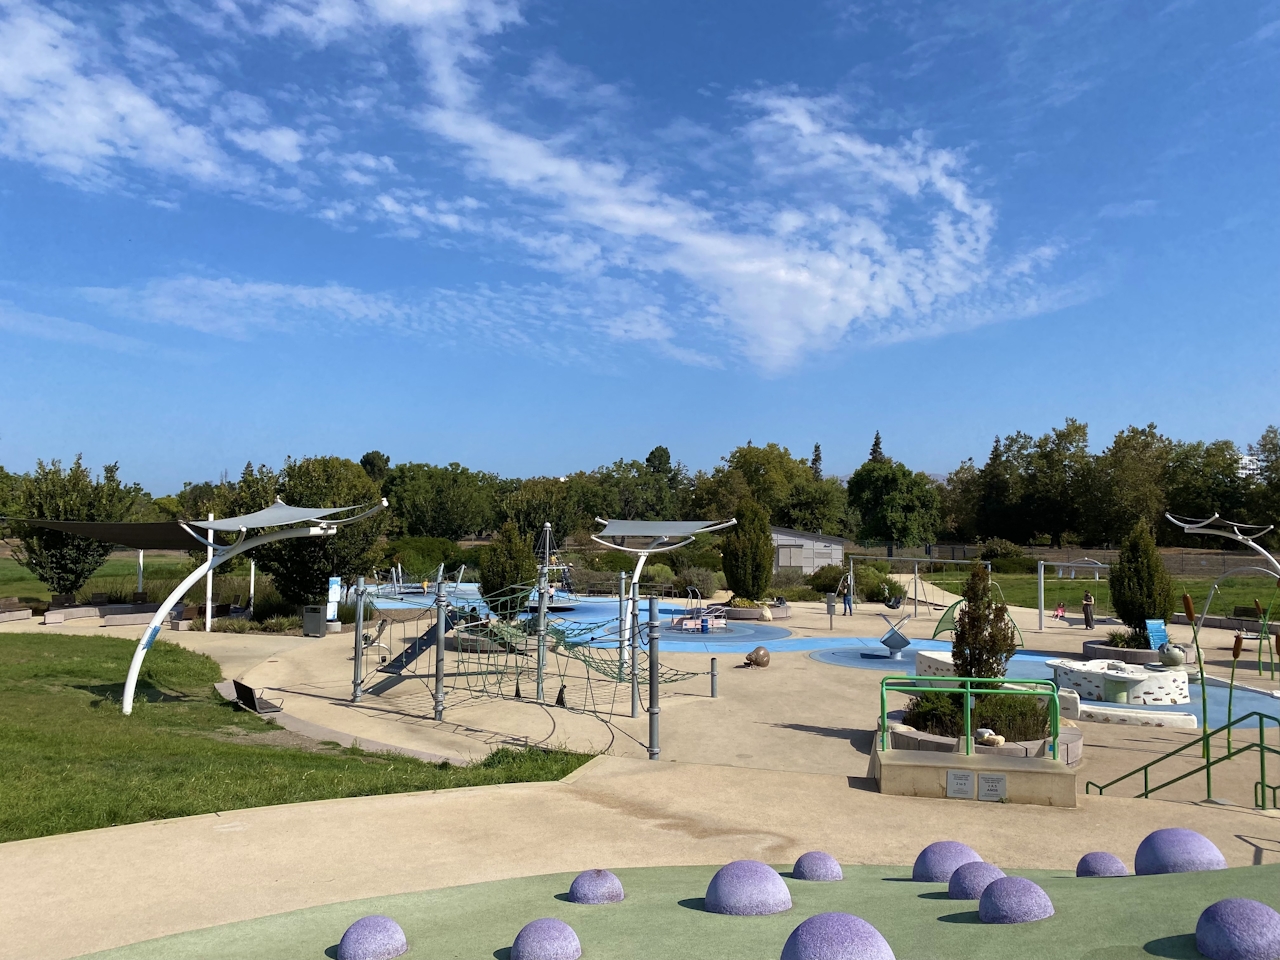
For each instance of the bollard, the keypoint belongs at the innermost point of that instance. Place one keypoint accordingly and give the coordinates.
(715, 680)
(655, 632)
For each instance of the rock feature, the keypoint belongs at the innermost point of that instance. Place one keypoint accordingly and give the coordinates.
(372, 938)
(1176, 850)
(836, 936)
(746, 888)
(816, 865)
(938, 861)
(969, 880)
(1101, 864)
(1013, 900)
(595, 886)
(1237, 929)
(546, 939)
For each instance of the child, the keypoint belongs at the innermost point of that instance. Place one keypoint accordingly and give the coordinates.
(1061, 612)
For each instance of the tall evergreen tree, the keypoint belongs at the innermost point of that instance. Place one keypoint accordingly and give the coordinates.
(985, 638)
(815, 462)
(1140, 586)
(877, 450)
(747, 550)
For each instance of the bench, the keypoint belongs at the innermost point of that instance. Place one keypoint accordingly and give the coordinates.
(11, 609)
(251, 700)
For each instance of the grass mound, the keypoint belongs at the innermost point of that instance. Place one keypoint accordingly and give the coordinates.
(72, 761)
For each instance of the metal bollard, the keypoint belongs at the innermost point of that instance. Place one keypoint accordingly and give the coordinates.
(655, 632)
(715, 680)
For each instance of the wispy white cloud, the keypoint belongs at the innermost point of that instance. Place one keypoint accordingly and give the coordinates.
(22, 323)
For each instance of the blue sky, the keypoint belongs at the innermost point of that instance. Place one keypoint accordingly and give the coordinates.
(535, 236)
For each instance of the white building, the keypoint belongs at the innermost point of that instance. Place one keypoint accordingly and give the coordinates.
(805, 551)
(1248, 466)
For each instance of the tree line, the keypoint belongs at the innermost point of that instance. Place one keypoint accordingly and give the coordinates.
(1047, 490)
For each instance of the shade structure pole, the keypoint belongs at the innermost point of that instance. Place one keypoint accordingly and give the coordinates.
(253, 571)
(542, 609)
(633, 631)
(358, 657)
(1040, 593)
(208, 586)
(655, 631)
(915, 589)
(442, 624)
(622, 624)
(139, 590)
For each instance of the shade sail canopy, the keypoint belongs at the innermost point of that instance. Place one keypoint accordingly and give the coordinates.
(659, 529)
(175, 535)
(140, 536)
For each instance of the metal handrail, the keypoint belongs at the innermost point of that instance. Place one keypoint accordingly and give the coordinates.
(966, 686)
(1202, 741)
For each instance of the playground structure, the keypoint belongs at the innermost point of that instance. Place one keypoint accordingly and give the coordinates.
(1068, 565)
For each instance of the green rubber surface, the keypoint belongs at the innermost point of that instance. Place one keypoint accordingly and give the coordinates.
(1129, 918)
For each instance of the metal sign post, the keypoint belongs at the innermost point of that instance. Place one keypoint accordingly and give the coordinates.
(358, 657)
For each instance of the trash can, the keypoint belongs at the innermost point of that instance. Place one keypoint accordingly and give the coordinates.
(831, 604)
(313, 621)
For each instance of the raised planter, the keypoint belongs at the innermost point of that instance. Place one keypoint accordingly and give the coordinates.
(1070, 744)
(1100, 650)
(742, 613)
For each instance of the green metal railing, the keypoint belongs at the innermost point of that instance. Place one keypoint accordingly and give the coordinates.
(1202, 743)
(970, 687)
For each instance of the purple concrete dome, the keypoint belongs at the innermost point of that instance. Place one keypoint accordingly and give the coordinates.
(1238, 929)
(836, 936)
(546, 939)
(746, 888)
(595, 886)
(1101, 864)
(1013, 900)
(969, 880)
(372, 938)
(939, 860)
(1176, 850)
(816, 865)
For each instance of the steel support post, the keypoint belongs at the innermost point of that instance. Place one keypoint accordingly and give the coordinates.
(442, 608)
(655, 631)
(357, 659)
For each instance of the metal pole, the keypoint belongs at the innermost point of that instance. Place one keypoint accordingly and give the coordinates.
(1040, 593)
(253, 575)
(208, 587)
(542, 608)
(622, 624)
(915, 589)
(358, 658)
(655, 630)
(633, 631)
(715, 680)
(441, 626)
(140, 574)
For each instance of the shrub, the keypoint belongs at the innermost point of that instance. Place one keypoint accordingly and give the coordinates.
(1128, 640)
(657, 573)
(1140, 586)
(280, 624)
(421, 556)
(508, 563)
(984, 636)
(796, 594)
(826, 579)
(997, 548)
(612, 561)
(1014, 718)
(742, 603)
(874, 585)
(788, 577)
(748, 552)
(700, 578)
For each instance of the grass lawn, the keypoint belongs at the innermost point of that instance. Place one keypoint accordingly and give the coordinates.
(72, 761)
(662, 917)
(1020, 591)
(118, 572)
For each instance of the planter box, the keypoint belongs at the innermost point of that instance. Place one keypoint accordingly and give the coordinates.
(1099, 650)
(742, 613)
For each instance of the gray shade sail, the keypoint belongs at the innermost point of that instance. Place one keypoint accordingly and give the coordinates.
(277, 515)
(659, 529)
(139, 536)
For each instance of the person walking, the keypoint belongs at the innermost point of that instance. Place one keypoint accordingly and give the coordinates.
(847, 594)
(1087, 606)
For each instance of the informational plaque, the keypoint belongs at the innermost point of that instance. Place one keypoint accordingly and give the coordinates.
(335, 594)
(960, 784)
(991, 786)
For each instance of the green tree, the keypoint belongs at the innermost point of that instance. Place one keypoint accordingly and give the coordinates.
(1058, 470)
(747, 552)
(61, 560)
(1204, 479)
(1131, 477)
(959, 499)
(301, 568)
(769, 475)
(1140, 585)
(892, 502)
(1265, 494)
(508, 563)
(376, 464)
(985, 637)
(1001, 508)
(815, 462)
(452, 502)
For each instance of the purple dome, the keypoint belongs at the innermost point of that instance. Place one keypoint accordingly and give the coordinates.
(746, 888)
(595, 886)
(816, 865)
(1013, 900)
(1176, 850)
(939, 860)
(546, 939)
(1101, 864)
(836, 936)
(969, 879)
(372, 938)
(1239, 929)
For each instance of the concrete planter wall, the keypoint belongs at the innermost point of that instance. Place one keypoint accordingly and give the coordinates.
(742, 613)
(1099, 650)
(1070, 744)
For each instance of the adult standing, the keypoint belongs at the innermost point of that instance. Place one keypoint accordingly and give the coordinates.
(1087, 606)
(847, 593)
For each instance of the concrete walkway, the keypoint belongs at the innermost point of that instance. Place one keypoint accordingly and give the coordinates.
(69, 895)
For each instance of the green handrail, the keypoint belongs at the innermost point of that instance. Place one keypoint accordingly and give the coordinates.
(966, 685)
(1206, 768)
